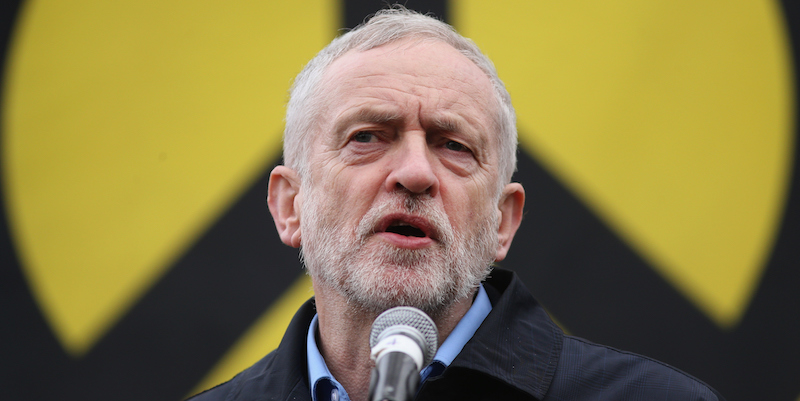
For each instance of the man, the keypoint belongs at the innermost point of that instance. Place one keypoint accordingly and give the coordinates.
(399, 148)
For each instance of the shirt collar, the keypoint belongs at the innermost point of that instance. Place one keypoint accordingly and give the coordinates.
(324, 385)
(465, 328)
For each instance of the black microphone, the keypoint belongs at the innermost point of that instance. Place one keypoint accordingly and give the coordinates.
(403, 341)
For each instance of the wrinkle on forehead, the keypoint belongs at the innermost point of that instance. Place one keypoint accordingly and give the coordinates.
(427, 69)
(448, 91)
(446, 62)
(403, 46)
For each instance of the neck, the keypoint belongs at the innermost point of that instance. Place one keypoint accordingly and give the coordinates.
(344, 337)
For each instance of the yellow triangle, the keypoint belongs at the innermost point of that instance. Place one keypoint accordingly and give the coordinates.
(129, 127)
(672, 120)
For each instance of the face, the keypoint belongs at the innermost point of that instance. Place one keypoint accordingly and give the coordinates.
(401, 205)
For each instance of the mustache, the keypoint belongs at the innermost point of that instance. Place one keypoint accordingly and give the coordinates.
(418, 205)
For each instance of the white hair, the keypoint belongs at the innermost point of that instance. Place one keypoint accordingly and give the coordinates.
(387, 26)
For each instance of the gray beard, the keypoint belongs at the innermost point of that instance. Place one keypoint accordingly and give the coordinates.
(374, 276)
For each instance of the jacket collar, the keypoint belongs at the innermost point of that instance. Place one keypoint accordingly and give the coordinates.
(517, 343)
(283, 374)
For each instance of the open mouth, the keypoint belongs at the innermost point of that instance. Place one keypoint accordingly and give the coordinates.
(405, 229)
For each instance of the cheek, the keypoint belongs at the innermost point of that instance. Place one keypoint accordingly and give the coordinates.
(344, 187)
(348, 194)
(329, 178)
(468, 206)
(459, 206)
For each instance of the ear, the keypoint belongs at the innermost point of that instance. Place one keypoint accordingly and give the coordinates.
(511, 205)
(283, 198)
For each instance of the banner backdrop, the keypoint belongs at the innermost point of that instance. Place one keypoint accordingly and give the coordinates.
(138, 260)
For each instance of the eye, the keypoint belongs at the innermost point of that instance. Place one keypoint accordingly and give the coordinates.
(456, 146)
(364, 137)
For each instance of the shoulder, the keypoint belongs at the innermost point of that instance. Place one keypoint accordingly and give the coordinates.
(231, 389)
(585, 368)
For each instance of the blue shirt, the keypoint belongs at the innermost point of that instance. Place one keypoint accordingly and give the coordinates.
(324, 386)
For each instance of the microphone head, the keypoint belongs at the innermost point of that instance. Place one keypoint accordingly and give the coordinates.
(410, 322)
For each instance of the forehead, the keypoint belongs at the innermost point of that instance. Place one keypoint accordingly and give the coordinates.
(424, 75)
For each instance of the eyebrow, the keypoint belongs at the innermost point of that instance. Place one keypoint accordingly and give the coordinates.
(445, 124)
(366, 115)
(437, 122)
(378, 116)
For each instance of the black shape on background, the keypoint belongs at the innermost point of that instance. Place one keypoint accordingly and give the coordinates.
(767, 341)
(356, 11)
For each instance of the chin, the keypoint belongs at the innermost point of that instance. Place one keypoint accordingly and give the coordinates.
(377, 288)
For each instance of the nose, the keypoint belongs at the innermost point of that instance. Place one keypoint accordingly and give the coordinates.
(412, 168)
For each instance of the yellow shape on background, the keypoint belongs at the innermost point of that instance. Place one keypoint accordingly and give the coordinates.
(671, 119)
(129, 126)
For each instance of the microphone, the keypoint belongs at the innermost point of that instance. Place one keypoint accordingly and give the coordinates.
(403, 341)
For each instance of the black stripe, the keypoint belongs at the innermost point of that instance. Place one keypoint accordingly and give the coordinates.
(356, 11)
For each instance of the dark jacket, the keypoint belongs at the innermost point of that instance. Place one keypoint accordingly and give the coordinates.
(518, 353)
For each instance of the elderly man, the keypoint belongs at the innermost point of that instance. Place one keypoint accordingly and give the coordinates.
(399, 148)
